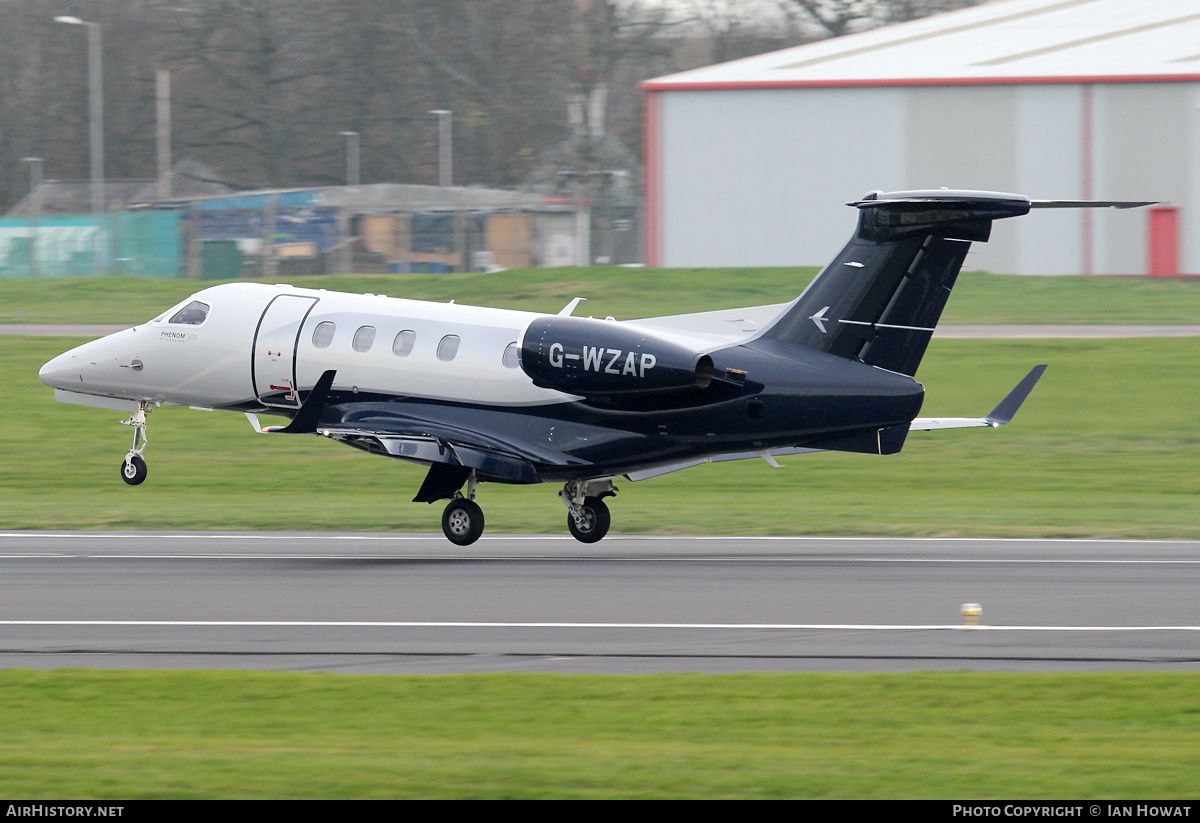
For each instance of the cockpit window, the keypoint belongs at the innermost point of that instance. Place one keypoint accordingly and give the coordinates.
(193, 314)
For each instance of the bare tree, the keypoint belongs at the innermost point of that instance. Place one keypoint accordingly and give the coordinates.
(262, 88)
(840, 17)
(249, 83)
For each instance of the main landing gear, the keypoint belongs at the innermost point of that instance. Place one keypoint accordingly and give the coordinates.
(462, 519)
(588, 518)
(587, 513)
(133, 467)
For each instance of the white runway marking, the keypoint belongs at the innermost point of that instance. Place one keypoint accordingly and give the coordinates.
(402, 624)
(480, 552)
(568, 539)
(732, 558)
(621, 558)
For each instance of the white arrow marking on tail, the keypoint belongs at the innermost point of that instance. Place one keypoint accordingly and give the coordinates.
(819, 318)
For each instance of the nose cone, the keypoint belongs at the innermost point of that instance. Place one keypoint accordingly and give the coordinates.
(64, 371)
(100, 367)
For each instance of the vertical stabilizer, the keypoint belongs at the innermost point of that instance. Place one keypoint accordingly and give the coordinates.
(881, 297)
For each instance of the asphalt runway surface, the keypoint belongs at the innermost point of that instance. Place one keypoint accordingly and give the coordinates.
(374, 603)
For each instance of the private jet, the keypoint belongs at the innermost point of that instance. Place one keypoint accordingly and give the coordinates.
(493, 395)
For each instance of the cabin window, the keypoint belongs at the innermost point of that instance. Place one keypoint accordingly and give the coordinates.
(402, 346)
(193, 314)
(363, 338)
(510, 359)
(448, 347)
(323, 335)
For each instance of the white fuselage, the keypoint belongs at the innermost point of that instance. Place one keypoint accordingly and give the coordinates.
(259, 344)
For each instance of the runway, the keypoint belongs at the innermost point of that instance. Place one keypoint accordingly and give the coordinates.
(370, 603)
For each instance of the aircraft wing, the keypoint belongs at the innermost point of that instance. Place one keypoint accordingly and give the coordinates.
(451, 452)
(450, 461)
(1003, 413)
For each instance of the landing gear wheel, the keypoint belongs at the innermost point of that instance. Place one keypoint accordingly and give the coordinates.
(133, 470)
(462, 521)
(594, 522)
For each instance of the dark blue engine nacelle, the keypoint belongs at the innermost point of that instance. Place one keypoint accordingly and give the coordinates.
(597, 358)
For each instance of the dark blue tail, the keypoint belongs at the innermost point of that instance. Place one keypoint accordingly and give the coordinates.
(880, 299)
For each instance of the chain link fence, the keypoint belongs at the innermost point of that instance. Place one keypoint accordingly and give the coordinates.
(138, 244)
(286, 234)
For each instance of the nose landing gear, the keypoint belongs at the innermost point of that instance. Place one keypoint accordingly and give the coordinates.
(133, 467)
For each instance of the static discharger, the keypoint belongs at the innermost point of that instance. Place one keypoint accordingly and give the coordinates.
(970, 613)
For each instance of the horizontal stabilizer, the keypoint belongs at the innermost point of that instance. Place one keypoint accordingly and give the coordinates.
(1090, 204)
(1002, 414)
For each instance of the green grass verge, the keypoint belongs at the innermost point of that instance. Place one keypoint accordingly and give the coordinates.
(1107, 445)
(626, 293)
(156, 734)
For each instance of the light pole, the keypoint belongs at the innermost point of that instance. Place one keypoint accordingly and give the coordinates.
(162, 105)
(95, 130)
(96, 108)
(35, 209)
(353, 161)
(445, 161)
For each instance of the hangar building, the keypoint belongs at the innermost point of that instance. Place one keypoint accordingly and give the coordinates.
(748, 163)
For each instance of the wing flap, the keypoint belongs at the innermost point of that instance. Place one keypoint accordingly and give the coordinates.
(429, 451)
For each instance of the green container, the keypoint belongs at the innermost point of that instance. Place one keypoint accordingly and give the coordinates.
(220, 260)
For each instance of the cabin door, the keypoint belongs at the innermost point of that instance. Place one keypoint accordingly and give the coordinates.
(275, 342)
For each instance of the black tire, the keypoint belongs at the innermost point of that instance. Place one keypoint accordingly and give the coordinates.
(596, 521)
(462, 522)
(134, 471)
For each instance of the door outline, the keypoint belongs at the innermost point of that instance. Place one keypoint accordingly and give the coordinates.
(300, 317)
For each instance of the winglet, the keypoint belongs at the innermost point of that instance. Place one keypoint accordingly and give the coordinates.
(306, 419)
(1004, 412)
(570, 307)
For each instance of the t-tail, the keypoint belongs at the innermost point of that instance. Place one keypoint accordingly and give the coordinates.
(881, 297)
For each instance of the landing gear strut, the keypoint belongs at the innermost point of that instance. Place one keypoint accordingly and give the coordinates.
(462, 519)
(588, 518)
(133, 467)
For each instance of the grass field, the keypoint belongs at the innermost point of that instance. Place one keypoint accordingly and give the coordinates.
(636, 292)
(153, 734)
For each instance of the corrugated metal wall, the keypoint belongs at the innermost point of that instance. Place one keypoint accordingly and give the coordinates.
(757, 177)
